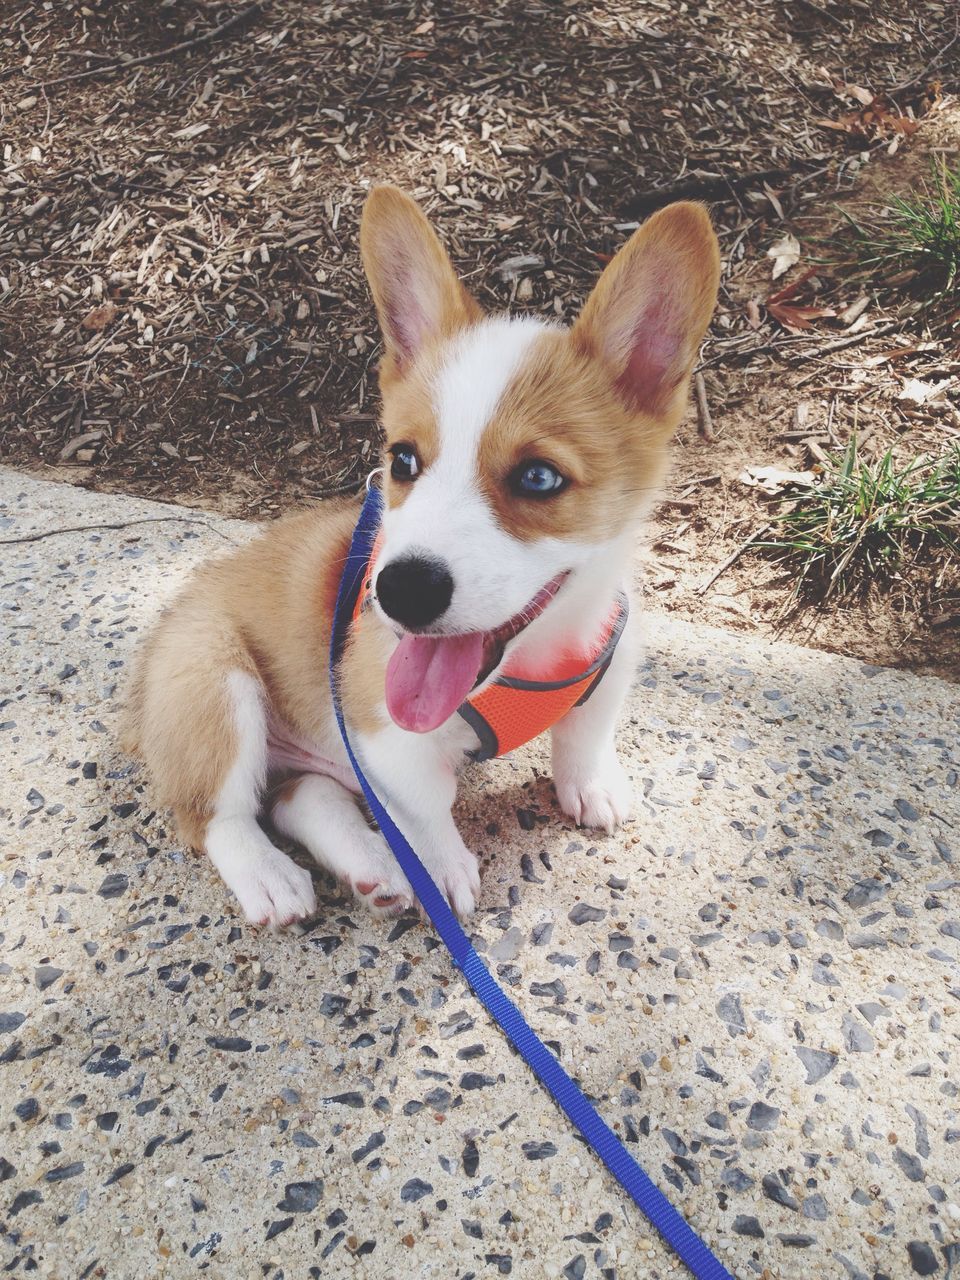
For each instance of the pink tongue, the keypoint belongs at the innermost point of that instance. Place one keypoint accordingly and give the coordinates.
(428, 677)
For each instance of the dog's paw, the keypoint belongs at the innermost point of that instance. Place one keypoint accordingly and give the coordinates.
(456, 873)
(375, 877)
(603, 800)
(461, 883)
(273, 891)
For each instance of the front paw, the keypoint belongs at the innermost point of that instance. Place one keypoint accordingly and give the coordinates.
(602, 800)
(456, 873)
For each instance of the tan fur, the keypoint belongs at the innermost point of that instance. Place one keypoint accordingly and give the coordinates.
(287, 790)
(409, 418)
(403, 260)
(553, 410)
(362, 673)
(266, 609)
(191, 825)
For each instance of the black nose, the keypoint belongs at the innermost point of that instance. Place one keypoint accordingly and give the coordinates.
(415, 590)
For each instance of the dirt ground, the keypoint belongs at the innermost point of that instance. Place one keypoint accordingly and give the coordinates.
(182, 313)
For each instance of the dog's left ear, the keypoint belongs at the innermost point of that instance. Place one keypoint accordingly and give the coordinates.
(648, 313)
(418, 296)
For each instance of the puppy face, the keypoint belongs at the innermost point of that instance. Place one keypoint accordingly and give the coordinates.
(515, 450)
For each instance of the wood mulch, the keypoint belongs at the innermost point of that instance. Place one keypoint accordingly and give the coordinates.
(182, 313)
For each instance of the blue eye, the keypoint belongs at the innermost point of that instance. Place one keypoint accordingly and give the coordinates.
(406, 464)
(537, 479)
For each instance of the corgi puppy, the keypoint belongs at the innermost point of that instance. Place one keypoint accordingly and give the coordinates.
(519, 459)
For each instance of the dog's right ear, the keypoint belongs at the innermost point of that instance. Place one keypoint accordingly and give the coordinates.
(418, 296)
(648, 312)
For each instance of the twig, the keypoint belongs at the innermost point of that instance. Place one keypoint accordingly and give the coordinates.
(122, 524)
(184, 46)
(931, 66)
(732, 559)
(850, 340)
(338, 490)
(817, 452)
(79, 442)
(741, 351)
(693, 481)
(373, 79)
(86, 53)
(705, 188)
(793, 437)
(703, 409)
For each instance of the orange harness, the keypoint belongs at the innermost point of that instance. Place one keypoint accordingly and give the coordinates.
(514, 709)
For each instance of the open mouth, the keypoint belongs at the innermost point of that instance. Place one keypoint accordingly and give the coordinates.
(430, 676)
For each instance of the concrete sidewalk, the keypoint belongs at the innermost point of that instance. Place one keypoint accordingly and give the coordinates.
(758, 980)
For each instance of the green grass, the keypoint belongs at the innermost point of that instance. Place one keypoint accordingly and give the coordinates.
(866, 520)
(919, 235)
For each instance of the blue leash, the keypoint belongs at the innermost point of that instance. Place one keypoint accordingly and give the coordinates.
(649, 1198)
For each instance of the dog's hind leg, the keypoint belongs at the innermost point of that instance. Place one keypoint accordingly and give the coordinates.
(270, 887)
(323, 816)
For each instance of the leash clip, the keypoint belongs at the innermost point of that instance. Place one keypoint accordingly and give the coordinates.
(377, 471)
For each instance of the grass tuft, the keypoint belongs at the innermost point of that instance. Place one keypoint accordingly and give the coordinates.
(865, 520)
(915, 238)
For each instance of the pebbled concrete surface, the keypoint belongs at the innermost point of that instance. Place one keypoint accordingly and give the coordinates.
(758, 980)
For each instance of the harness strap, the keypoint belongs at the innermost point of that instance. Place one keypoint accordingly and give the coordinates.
(566, 1093)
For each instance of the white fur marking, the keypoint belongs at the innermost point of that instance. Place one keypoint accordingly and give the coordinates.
(241, 790)
(592, 787)
(269, 886)
(472, 382)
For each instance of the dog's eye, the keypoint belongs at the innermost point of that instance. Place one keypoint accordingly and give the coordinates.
(537, 479)
(406, 464)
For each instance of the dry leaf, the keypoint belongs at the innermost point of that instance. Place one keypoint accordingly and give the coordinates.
(774, 200)
(98, 319)
(424, 28)
(785, 254)
(878, 119)
(789, 290)
(773, 479)
(797, 317)
(753, 313)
